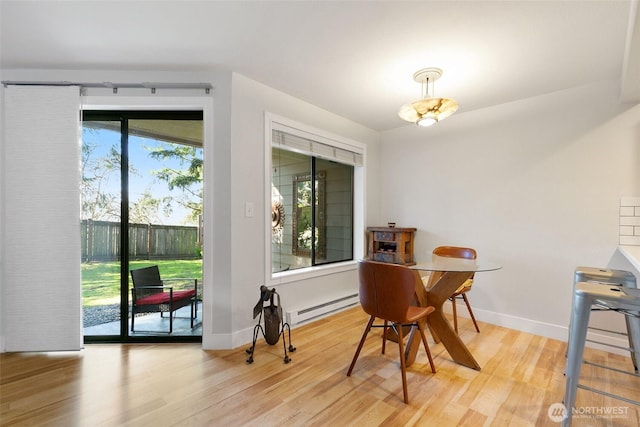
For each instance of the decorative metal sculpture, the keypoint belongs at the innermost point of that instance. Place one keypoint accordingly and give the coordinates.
(274, 325)
(277, 217)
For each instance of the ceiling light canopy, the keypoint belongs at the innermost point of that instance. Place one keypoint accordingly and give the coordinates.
(429, 110)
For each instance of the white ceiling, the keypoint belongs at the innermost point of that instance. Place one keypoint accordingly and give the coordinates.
(354, 58)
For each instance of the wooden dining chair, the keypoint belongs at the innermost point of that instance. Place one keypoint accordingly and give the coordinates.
(387, 292)
(461, 292)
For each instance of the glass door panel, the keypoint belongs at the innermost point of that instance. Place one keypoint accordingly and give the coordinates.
(142, 189)
(165, 208)
(101, 207)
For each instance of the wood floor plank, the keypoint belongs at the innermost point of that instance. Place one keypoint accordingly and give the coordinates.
(182, 385)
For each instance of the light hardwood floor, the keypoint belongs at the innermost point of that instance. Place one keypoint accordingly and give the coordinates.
(180, 384)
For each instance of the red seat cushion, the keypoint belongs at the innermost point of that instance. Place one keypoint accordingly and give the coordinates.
(163, 297)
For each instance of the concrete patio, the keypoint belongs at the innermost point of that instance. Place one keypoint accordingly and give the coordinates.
(152, 324)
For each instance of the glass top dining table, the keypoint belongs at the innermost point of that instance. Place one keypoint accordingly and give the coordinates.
(453, 272)
(441, 263)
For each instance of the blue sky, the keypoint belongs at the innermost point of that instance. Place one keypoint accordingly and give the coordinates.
(144, 165)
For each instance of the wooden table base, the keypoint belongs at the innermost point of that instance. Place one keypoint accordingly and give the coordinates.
(436, 296)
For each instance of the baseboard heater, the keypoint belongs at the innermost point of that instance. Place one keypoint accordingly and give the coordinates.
(298, 316)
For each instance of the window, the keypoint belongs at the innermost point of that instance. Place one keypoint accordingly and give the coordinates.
(313, 195)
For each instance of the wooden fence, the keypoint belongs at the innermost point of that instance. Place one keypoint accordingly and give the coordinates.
(101, 241)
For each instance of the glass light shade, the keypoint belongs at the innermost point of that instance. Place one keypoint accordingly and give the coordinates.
(428, 109)
(427, 120)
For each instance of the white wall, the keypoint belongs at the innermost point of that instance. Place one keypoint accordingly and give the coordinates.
(234, 264)
(216, 264)
(250, 100)
(534, 185)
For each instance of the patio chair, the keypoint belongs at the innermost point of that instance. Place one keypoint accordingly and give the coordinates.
(151, 294)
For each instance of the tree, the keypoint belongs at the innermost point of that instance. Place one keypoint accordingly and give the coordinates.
(101, 182)
(188, 179)
(98, 203)
(146, 209)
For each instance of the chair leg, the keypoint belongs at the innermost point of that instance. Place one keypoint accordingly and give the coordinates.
(466, 301)
(364, 337)
(426, 347)
(455, 314)
(403, 366)
(384, 336)
(192, 312)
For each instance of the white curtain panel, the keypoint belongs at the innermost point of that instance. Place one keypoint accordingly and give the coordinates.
(41, 282)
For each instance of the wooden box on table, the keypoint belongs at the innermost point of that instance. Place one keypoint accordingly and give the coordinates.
(391, 244)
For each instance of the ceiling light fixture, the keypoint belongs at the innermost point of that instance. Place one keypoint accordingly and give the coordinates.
(429, 110)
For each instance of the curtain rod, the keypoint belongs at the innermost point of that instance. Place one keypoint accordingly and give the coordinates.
(115, 86)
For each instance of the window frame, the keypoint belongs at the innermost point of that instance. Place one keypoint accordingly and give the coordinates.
(275, 122)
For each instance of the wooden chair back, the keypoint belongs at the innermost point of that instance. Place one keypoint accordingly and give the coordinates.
(386, 290)
(455, 252)
(450, 252)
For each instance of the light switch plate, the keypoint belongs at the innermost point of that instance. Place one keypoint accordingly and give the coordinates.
(248, 209)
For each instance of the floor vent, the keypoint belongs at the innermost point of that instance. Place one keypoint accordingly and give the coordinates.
(295, 317)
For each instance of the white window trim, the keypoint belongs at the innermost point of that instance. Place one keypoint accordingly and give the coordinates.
(273, 121)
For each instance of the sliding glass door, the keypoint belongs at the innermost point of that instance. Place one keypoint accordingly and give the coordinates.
(141, 190)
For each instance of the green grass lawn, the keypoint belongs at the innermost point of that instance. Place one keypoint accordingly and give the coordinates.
(101, 281)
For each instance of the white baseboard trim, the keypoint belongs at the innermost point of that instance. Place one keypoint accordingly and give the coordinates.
(218, 341)
(547, 330)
